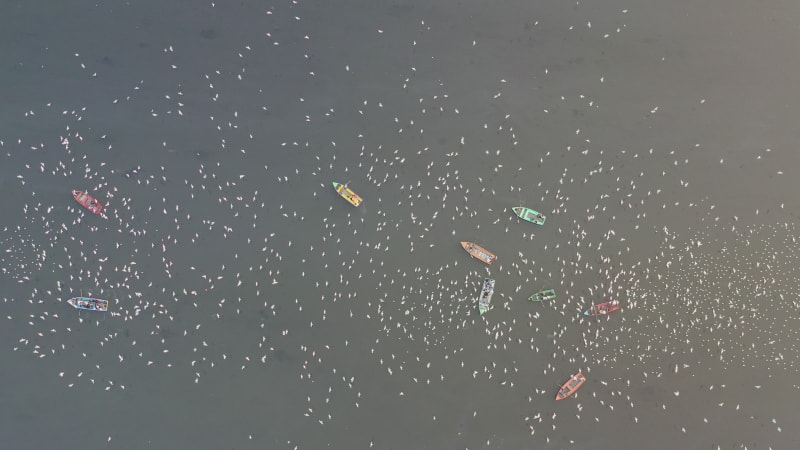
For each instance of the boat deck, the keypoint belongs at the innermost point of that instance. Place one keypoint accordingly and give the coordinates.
(486, 295)
(347, 194)
(571, 386)
(478, 252)
(547, 294)
(89, 304)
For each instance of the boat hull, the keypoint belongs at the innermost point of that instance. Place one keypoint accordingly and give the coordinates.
(602, 309)
(547, 294)
(571, 386)
(529, 215)
(478, 252)
(87, 201)
(484, 301)
(89, 304)
(347, 194)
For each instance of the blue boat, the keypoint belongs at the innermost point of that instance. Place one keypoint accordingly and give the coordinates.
(89, 304)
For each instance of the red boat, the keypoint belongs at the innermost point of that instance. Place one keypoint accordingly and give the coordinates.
(87, 201)
(571, 386)
(602, 309)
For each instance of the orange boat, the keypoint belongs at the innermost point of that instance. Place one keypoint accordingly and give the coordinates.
(476, 251)
(571, 386)
(87, 201)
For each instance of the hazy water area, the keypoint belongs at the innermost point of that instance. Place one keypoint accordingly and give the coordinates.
(251, 307)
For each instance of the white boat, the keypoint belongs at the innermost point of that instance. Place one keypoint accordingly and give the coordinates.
(89, 304)
(486, 295)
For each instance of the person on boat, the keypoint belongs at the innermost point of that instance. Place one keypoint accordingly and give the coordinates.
(562, 393)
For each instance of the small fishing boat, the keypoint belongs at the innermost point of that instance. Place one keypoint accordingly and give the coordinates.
(347, 193)
(547, 294)
(89, 304)
(486, 295)
(476, 251)
(87, 201)
(571, 386)
(529, 215)
(602, 309)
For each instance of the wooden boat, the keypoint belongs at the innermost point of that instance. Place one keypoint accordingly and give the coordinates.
(547, 294)
(486, 295)
(87, 201)
(476, 251)
(347, 194)
(89, 304)
(571, 386)
(529, 215)
(602, 309)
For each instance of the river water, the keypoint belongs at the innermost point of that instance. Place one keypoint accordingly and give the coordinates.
(251, 307)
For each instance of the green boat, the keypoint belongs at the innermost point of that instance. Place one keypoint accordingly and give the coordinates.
(547, 294)
(529, 215)
(486, 295)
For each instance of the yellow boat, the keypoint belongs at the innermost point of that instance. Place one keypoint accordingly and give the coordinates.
(347, 193)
